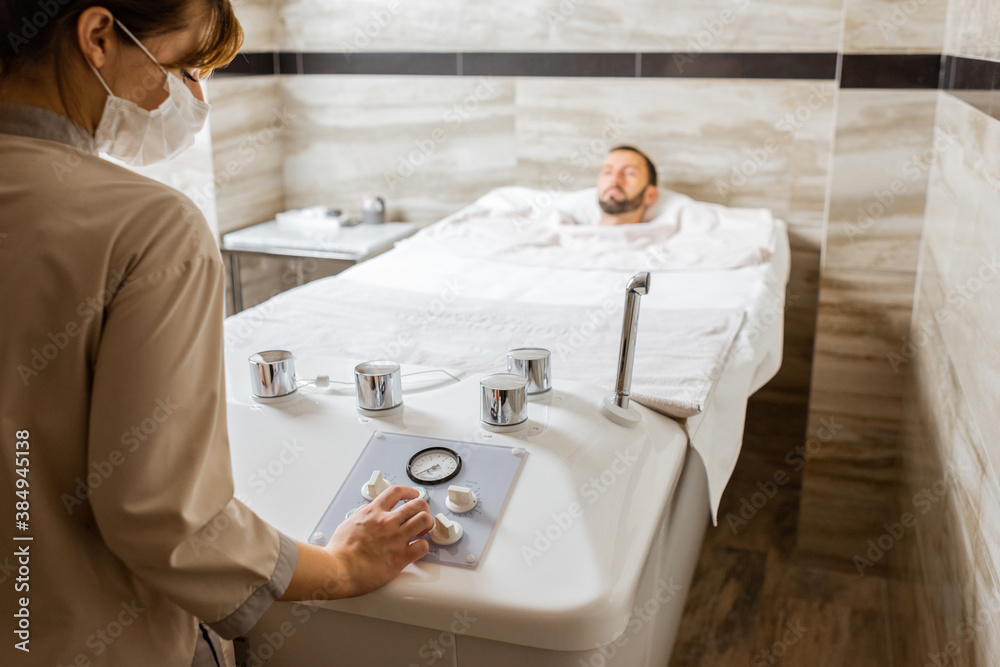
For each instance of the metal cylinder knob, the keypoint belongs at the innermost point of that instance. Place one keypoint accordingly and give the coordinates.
(534, 365)
(272, 374)
(379, 386)
(504, 401)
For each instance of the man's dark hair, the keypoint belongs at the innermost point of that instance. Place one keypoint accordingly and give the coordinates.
(649, 163)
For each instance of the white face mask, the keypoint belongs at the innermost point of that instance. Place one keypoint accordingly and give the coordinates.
(141, 138)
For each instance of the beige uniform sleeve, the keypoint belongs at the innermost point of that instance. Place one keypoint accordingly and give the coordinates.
(167, 509)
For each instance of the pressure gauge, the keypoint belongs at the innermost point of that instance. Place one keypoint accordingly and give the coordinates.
(433, 465)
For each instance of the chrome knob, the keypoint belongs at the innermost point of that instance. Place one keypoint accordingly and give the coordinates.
(379, 386)
(504, 400)
(272, 374)
(533, 364)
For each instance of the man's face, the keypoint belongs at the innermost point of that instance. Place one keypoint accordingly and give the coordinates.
(621, 186)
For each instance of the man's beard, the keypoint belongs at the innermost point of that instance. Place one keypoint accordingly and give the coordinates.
(618, 207)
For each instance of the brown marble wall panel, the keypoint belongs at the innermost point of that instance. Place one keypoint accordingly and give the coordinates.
(855, 411)
(881, 160)
(934, 590)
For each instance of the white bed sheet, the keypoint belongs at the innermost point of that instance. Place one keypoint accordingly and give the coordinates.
(755, 356)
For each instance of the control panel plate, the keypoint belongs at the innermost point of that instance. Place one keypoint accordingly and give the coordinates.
(489, 470)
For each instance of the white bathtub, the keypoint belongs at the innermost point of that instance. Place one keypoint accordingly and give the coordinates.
(589, 564)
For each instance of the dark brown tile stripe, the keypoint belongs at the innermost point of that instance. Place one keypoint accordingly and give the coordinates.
(618, 65)
(891, 71)
(741, 65)
(252, 64)
(901, 71)
(970, 74)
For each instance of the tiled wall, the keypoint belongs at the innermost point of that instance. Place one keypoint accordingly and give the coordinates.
(250, 124)
(429, 145)
(973, 28)
(561, 25)
(889, 26)
(879, 177)
(883, 152)
(949, 564)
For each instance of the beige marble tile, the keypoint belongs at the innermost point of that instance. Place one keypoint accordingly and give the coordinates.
(883, 153)
(873, 26)
(353, 26)
(973, 28)
(746, 143)
(572, 25)
(949, 192)
(967, 259)
(955, 371)
(694, 26)
(429, 145)
(936, 382)
(259, 19)
(249, 124)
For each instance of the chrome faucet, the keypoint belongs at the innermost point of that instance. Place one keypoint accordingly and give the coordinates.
(637, 286)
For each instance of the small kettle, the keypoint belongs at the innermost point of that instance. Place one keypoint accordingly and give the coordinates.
(373, 207)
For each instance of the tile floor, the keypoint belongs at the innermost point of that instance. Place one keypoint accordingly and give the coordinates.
(753, 601)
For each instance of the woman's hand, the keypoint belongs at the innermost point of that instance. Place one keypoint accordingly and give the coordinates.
(379, 541)
(366, 551)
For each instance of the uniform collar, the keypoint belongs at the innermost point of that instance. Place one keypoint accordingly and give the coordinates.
(38, 123)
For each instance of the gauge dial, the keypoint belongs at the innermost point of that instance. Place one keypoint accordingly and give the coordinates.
(434, 465)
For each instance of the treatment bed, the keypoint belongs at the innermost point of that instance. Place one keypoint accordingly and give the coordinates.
(594, 547)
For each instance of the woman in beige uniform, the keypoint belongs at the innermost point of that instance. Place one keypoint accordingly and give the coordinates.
(122, 541)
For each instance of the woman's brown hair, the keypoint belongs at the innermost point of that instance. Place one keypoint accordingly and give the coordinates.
(33, 31)
(42, 34)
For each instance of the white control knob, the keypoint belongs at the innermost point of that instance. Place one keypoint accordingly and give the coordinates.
(375, 486)
(445, 531)
(460, 499)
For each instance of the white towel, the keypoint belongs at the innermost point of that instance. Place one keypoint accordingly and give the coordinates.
(679, 354)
